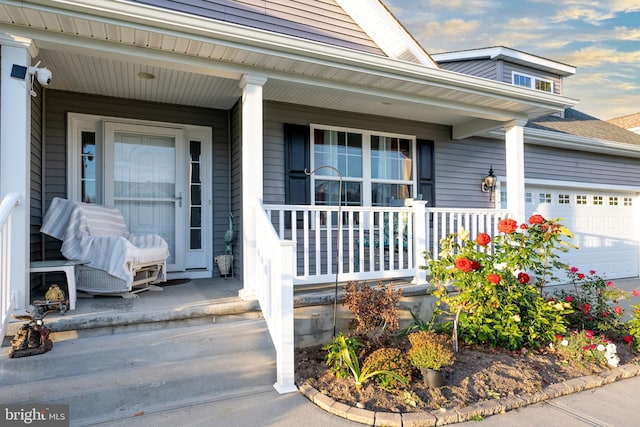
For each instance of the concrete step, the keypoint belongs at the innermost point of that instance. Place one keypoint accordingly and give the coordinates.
(116, 376)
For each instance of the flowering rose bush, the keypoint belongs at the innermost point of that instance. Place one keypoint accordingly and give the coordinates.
(634, 327)
(493, 294)
(586, 346)
(594, 301)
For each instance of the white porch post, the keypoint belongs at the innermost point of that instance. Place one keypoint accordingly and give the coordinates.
(419, 241)
(15, 152)
(252, 176)
(514, 149)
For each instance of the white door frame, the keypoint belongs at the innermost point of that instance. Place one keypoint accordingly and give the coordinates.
(199, 263)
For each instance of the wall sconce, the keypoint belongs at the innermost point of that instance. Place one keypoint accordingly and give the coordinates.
(488, 184)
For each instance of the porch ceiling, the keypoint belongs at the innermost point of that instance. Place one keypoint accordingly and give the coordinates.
(201, 66)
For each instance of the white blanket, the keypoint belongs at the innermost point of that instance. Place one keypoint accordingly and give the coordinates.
(98, 235)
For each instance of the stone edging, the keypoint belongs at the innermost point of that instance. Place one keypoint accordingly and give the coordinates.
(458, 415)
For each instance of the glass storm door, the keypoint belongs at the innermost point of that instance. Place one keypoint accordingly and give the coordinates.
(144, 179)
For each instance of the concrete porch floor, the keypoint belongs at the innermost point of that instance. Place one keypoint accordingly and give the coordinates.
(191, 302)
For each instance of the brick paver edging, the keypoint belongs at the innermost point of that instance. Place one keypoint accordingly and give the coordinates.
(457, 415)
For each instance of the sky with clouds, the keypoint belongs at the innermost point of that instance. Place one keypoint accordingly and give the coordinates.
(601, 38)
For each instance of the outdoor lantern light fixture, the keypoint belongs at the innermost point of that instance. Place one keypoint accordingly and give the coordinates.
(488, 184)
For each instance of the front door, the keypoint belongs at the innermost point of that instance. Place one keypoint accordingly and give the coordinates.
(145, 180)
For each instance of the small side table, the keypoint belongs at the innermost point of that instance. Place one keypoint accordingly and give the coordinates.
(67, 266)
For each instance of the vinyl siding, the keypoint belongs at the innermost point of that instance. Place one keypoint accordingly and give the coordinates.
(59, 104)
(277, 114)
(318, 20)
(578, 166)
(35, 184)
(236, 186)
(459, 168)
(509, 68)
(486, 68)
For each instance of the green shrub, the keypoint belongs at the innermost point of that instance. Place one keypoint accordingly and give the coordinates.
(634, 328)
(430, 350)
(391, 360)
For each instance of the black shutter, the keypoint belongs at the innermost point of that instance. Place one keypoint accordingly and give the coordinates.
(426, 175)
(296, 160)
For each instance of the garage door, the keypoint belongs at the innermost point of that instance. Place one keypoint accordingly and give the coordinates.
(604, 224)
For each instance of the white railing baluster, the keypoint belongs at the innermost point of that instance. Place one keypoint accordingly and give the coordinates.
(370, 255)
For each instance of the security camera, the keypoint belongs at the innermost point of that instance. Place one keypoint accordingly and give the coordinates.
(44, 76)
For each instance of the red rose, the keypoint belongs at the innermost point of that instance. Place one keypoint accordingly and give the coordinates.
(617, 309)
(605, 314)
(464, 264)
(592, 272)
(523, 278)
(589, 333)
(586, 308)
(493, 278)
(580, 275)
(483, 239)
(536, 219)
(523, 226)
(635, 293)
(574, 269)
(507, 226)
(628, 339)
(475, 265)
(569, 298)
(609, 283)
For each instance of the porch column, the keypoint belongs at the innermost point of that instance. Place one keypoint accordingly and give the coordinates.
(514, 149)
(15, 152)
(419, 241)
(252, 176)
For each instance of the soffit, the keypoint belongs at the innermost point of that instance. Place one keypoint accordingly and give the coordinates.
(102, 56)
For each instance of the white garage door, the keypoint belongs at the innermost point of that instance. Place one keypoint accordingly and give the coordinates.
(604, 224)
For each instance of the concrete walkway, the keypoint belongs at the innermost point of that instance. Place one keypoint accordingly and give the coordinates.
(615, 404)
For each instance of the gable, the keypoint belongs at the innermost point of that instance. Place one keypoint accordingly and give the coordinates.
(323, 21)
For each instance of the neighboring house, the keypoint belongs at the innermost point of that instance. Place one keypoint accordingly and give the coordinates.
(630, 122)
(182, 113)
(576, 167)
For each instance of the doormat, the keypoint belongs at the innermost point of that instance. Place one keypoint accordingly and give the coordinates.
(173, 282)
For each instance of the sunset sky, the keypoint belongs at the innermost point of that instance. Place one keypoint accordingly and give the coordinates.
(601, 38)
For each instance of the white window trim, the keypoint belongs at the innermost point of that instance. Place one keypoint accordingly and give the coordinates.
(366, 161)
(533, 81)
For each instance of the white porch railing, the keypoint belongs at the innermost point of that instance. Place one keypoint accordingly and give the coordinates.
(376, 242)
(6, 300)
(444, 221)
(372, 243)
(274, 289)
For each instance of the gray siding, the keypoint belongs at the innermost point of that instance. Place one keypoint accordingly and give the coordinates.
(459, 168)
(486, 68)
(277, 114)
(35, 183)
(35, 178)
(236, 186)
(564, 165)
(319, 20)
(510, 67)
(59, 104)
